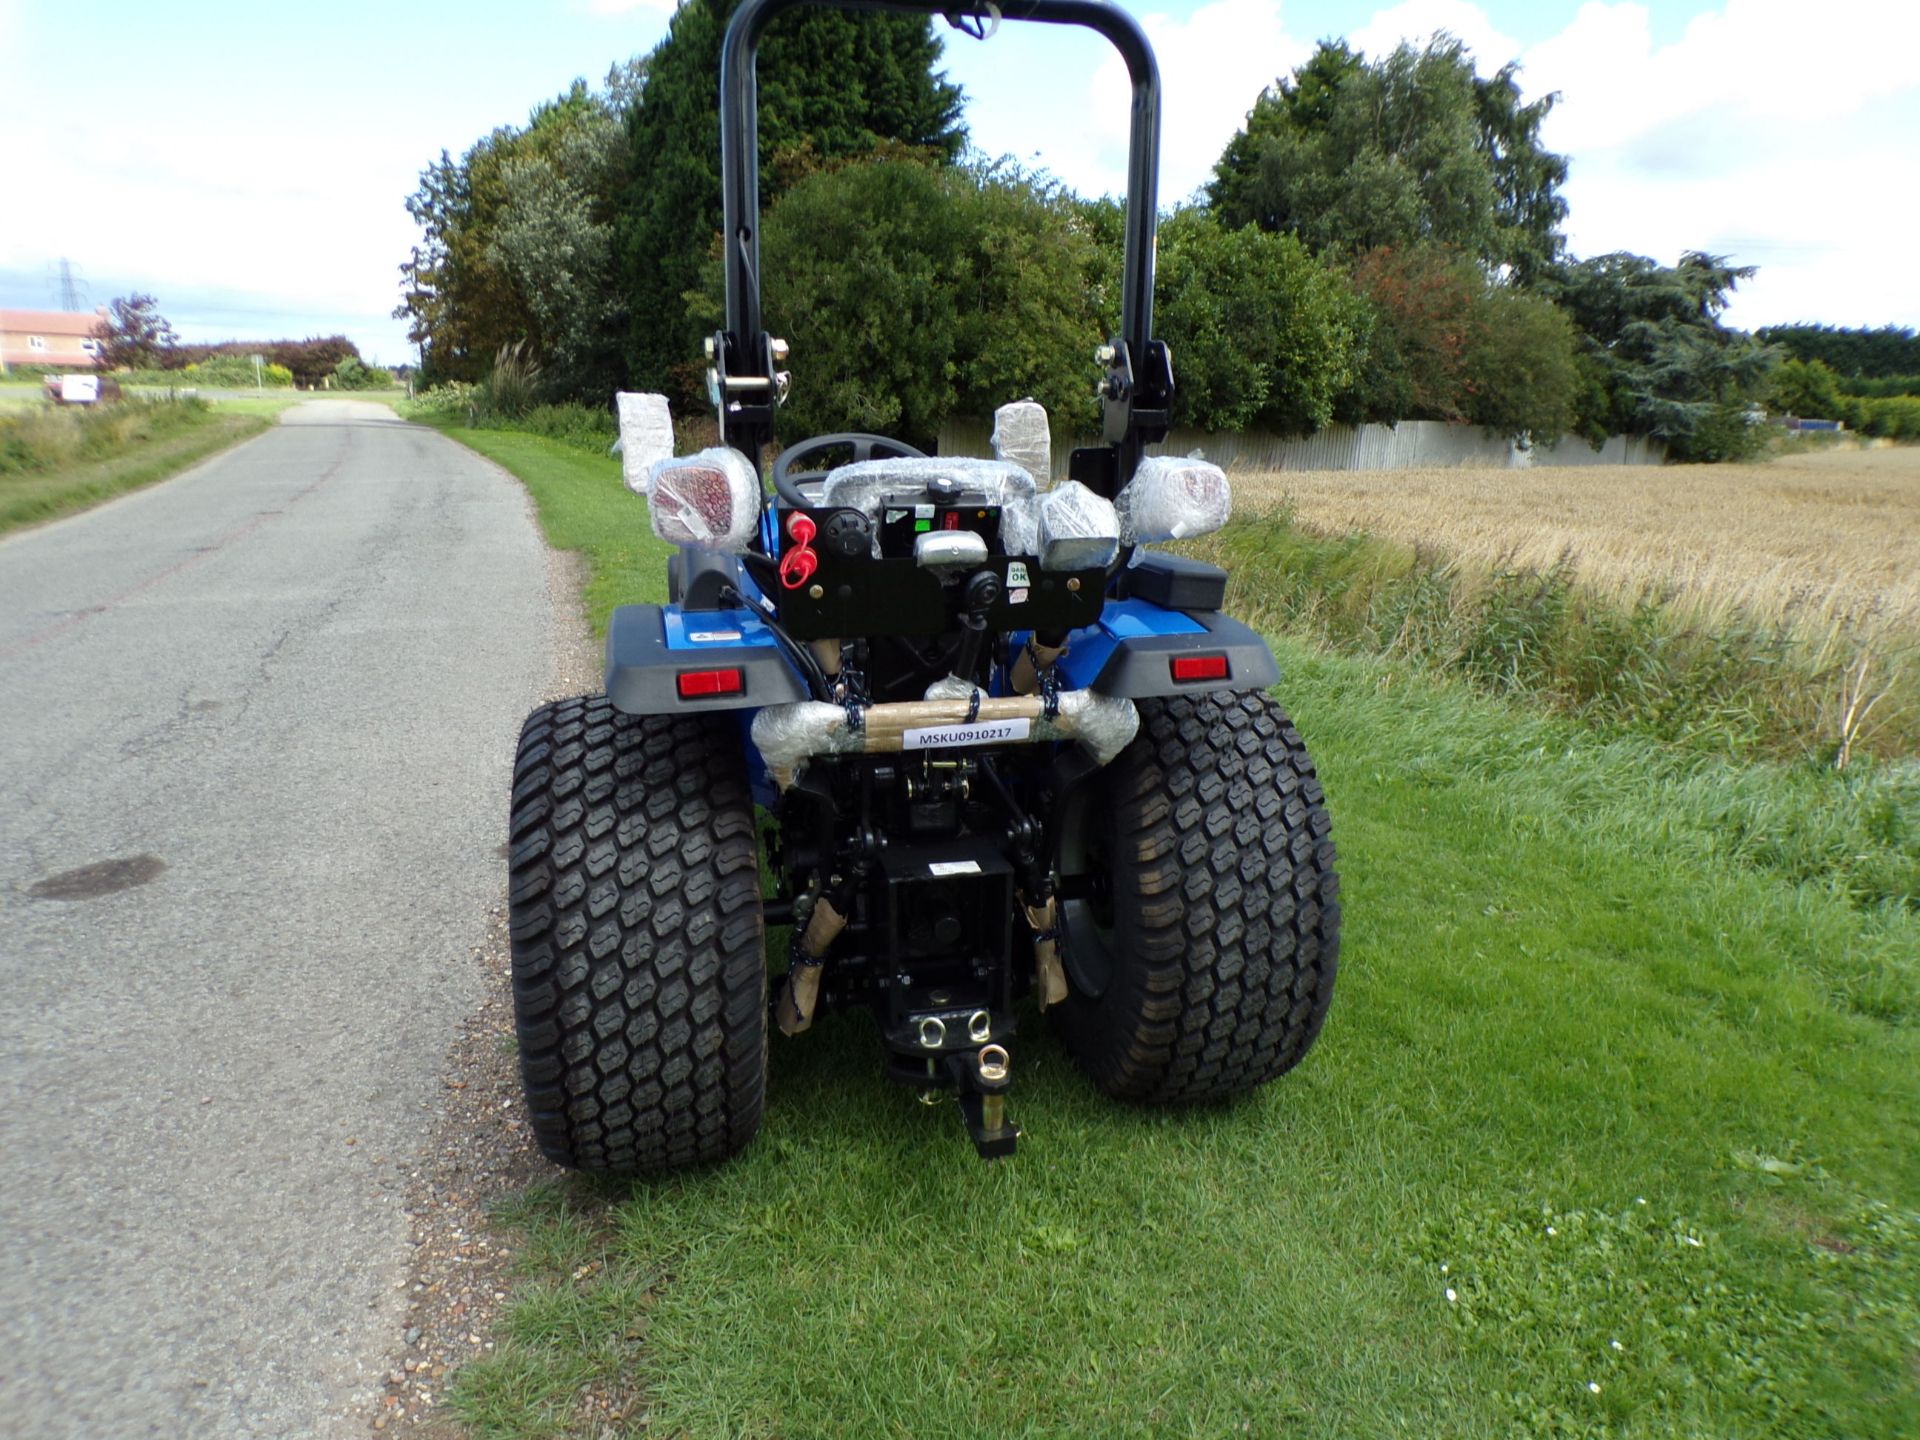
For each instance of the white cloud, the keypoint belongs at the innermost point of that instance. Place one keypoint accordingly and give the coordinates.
(1775, 133)
(1213, 64)
(1415, 21)
(614, 9)
(1769, 132)
(1765, 130)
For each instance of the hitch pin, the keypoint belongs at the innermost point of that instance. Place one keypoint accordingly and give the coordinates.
(993, 1105)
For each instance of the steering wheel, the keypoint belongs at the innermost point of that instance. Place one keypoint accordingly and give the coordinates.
(786, 483)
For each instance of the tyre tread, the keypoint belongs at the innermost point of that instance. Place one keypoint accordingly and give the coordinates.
(639, 977)
(1226, 905)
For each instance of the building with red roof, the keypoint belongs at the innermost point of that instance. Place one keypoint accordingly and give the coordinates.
(52, 337)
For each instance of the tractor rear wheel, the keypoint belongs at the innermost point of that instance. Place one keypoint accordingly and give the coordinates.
(639, 974)
(1201, 928)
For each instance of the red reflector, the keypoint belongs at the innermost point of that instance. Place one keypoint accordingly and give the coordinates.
(697, 683)
(1198, 667)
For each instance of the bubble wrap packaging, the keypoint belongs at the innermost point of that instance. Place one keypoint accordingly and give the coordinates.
(870, 485)
(951, 687)
(711, 500)
(1021, 434)
(1105, 724)
(1078, 529)
(787, 736)
(646, 437)
(1020, 526)
(1172, 498)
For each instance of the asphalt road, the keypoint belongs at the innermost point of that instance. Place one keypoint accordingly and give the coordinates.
(255, 731)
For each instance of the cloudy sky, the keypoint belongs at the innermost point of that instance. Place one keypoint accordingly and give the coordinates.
(246, 162)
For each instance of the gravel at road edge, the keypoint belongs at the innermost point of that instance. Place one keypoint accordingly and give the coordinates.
(479, 1149)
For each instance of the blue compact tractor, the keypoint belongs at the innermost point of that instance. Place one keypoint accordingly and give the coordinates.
(948, 723)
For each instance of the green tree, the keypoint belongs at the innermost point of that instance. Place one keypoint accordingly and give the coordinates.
(553, 241)
(832, 84)
(354, 374)
(1447, 343)
(1890, 350)
(1522, 365)
(1414, 148)
(460, 304)
(912, 292)
(1806, 388)
(137, 336)
(1660, 360)
(1261, 333)
(516, 244)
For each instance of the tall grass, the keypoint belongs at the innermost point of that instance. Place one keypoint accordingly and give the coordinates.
(1705, 674)
(54, 461)
(49, 437)
(1806, 539)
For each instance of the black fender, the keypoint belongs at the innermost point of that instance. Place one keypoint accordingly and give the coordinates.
(643, 674)
(1141, 665)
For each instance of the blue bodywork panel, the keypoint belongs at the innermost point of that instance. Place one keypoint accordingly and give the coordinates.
(1089, 649)
(714, 629)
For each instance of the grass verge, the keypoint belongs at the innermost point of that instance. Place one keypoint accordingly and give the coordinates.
(1613, 1132)
(1594, 1109)
(50, 466)
(1714, 679)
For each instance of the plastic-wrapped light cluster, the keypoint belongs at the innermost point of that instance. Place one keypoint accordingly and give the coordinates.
(1022, 434)
(646, 437)
(874, 485)
(711, 500)
(1170, 498)
(1020, 526)
(1078, 530)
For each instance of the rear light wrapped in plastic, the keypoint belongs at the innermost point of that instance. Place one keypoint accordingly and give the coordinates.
(711, 500)
(1170, 498)
(1078, 530)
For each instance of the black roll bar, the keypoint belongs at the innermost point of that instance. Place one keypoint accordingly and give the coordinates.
(1139, 379)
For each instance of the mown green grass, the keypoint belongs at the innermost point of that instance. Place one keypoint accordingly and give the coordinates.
(146, 446)
(1632, 1082)
(1546, 1015)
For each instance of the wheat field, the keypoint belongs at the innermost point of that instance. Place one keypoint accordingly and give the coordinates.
(1820, 541)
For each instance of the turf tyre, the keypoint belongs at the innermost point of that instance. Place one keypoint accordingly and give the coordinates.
(1206, 967)
(639, 976)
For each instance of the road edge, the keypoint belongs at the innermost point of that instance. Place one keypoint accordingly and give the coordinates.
(479, 1150)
